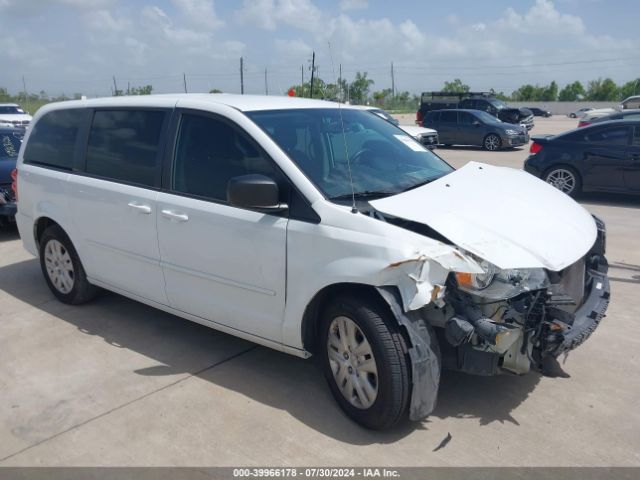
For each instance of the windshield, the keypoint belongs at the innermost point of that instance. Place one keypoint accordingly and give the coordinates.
(384, 160)
(499, 104)
(10, 110)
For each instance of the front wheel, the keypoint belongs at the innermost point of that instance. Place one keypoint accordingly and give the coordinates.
(492, 142)
(62, 268)
(565, 179)
(365, 361)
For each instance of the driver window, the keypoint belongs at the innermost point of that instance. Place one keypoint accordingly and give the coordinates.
(209, 152)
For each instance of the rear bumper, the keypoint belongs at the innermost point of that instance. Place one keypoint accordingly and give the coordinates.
(8, 210)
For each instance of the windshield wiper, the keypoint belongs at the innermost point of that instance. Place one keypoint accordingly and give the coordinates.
(417, 185)
(365, 194)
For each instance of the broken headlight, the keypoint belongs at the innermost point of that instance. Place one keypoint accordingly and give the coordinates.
(498, 284)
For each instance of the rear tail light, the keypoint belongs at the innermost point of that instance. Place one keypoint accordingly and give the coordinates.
(14, 182)
(419, 117)
(582, 123)
(535, 148)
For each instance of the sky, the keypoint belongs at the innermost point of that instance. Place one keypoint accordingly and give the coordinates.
(78, 46)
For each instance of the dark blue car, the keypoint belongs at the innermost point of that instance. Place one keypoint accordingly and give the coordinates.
(10, 140)
(603, 157)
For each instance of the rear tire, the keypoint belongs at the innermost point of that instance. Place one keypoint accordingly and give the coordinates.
(565, 179)
(365, 361)
(62, 268)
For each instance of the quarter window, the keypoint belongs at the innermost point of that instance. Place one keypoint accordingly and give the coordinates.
(124, 145)
(210, 152)
(52, 142)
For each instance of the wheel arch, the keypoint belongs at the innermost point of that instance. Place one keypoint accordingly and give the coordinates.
(313, 310)
(40, 225)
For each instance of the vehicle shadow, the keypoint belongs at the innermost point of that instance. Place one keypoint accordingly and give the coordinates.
(266, 376)
(610, 199)
(624, 272)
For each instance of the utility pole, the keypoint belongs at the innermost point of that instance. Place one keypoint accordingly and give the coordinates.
(24, 86)
(302, 81)
(266, 85)
(340, 82)
(393, 83)
(128, 88)
(241, 76)
(115, 86)
(313, 68)
(184, 80)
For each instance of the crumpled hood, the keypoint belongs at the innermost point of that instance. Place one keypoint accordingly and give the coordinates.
(503, 215)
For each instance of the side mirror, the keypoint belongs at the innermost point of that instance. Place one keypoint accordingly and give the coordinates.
(254, 191)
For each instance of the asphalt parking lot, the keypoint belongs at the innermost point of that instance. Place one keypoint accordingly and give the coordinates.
(117, 383)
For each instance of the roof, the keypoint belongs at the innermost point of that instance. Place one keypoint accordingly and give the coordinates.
(243, 103)
(9, 105)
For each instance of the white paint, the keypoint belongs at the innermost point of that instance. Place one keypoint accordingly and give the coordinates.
(503, 215)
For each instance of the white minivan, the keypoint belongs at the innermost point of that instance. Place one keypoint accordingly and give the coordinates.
(312, 228)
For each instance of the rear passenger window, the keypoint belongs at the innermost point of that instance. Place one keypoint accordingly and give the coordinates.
(210, 152)
(124, 145)
(448, 117)
(52, 141)
(610, 136)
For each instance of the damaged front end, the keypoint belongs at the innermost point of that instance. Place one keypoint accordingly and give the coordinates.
(516, 320)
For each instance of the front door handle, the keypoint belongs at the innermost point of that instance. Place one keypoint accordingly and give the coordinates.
(175, 216)
(140, 207)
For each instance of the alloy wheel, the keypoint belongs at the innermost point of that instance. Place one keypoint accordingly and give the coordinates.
(563, 179)
(492, 142)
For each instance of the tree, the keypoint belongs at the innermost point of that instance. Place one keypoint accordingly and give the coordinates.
(145, 90)
(526, 93)
(456, 86)
(215, 90)
(549, 93)
(602, 90)
(572, 92)
(630, 88)
(359, 89)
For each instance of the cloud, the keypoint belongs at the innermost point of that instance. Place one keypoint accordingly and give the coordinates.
(199, 12)
(269, 14)
(353, 4)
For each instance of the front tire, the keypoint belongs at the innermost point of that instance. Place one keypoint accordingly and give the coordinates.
(62, 268)
(565, 179)
(364, 359)
(492, 142)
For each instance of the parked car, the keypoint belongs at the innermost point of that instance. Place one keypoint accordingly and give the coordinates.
(311, 229)
(474, 127)
(580, 112)
(603, 157)
(483, 101)
(13, 114)
(426, 136)
(630, 103)
(9, 148)
(539, 112)
(620, 115)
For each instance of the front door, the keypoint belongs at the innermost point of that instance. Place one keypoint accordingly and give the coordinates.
(221, 263)
(606, 158)
(632, 171)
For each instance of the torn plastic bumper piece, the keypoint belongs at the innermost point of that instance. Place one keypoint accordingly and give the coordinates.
(588, 316)
(424, 355)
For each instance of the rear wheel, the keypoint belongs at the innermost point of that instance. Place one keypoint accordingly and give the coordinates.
(62, 268)
(565, 179)
(365, 361)
(492, 142)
